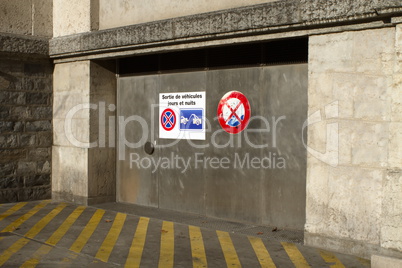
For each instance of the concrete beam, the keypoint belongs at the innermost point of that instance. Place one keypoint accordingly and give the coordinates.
(272, 17)
(24, 45)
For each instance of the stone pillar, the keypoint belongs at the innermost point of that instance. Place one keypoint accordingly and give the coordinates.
(354, 192)
(75, 16)
(83, 162)
(391, 228)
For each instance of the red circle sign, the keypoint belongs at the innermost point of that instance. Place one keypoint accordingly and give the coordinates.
(234, 112)
(168, 119)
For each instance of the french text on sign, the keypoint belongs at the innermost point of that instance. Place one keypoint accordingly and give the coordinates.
(189, 115)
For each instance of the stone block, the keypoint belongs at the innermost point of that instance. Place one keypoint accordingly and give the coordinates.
(395, 145)
(44, 139)
(9, 195)
(369, 143)
(40, 154)
(371, 56)
(64, 103)
(26, 168)
(331, 53)
(27, 140)
(10, 183)
(12, 97)
(44, 167)
(14, 15)
(9, 155)
(6, 126)
(37, 180)
(317, 195)
(391, 229)
(41, 113)
(72, 77)
(8, 169)
(385, 262)
(72, 17)
(354, 204)
(37, 126)
(79, 132)
(102, 170)
(70, 171)
(19, 113)
(4, 111)
(35, 193)
(37, 98)
(9, 141)
(43, 18)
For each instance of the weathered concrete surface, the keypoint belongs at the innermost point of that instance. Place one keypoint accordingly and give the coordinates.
(75, 16)
(381, 262)
(352, 203)
(82, 174)
(23, 17)
(21, 45)
(141, 11)
(269, 17)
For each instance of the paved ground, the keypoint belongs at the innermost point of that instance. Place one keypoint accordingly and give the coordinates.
(47, 234)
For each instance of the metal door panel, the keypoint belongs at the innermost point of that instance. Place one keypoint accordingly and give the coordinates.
(136, 97)
(183, 191)
(234, 193)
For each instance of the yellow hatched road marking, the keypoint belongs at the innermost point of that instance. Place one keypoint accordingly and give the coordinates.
(262, 253)
(12, 210)
(111, 238)
(14, 225)
(197, 247)
(137, 246)
(55, 238)
(62, 230)
(166, 257)
(30, 234)
(37, 256)
(232, 260)
(83, 238)
(12, 250)
(44, 221)
(330, 258)
(295, 255)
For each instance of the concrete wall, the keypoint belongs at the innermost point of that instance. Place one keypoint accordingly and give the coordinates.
(354, 197)
(75, 16)
(25, 129)
(126, 12)
(27, 17)
(80, 172)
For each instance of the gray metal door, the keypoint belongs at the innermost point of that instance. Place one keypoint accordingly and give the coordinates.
(135, 99)
(274, 195)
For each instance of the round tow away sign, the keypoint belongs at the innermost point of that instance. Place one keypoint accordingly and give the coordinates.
(168, 119)
(234, 112)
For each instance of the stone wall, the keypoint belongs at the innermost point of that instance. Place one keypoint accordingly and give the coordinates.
(140, 11)
(27, 17)
(354, 191)
(25, 128)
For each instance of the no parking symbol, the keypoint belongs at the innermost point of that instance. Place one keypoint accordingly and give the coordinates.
(168, 119)
(234, 112)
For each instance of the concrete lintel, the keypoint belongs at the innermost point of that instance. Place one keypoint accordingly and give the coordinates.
(169, 46)
(23, 45)
(280, 16)
(346, 246)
